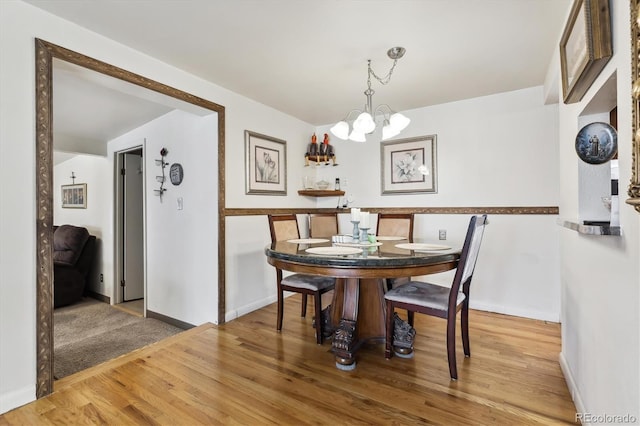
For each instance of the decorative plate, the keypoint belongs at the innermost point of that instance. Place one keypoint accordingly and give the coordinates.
(308, 240)
(389, 238)
(333, 250)
(597, 143)
(176, 173)
(422, 247)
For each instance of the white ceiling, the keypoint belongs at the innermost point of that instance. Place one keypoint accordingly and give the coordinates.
(309, 58)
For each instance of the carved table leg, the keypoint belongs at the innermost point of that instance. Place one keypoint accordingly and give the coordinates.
(345, 336)
(403, 336)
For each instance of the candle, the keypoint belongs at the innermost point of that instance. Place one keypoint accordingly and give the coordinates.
(355, 214)
(364, 219)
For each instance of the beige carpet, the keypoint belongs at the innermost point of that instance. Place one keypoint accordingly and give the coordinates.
(90, 332)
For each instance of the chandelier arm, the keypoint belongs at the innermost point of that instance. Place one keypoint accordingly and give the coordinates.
(379, 109)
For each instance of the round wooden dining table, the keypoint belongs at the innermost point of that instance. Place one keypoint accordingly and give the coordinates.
(358, 309)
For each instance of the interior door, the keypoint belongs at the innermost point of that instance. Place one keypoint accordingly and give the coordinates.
(132, 238)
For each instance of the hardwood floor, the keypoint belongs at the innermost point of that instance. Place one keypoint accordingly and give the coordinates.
(244, 372)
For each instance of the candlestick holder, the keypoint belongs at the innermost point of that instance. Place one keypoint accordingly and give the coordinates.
(364, 235)
(356, 234)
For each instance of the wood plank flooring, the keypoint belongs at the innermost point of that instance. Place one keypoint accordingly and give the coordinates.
(245, 373)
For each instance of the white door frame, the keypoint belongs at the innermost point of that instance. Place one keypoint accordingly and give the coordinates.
(117, 296)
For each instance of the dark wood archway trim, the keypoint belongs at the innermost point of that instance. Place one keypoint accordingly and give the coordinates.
(45, 53)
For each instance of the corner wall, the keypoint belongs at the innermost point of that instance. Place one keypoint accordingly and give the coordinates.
(600, 275)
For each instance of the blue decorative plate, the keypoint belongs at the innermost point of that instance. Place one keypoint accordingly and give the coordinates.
(597, 143)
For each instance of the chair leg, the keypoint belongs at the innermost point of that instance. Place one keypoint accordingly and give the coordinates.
(410, 318)
(280, 309)
(303, 313)
(464, 325)
(317, 298)
(388, 340)
(451, 346)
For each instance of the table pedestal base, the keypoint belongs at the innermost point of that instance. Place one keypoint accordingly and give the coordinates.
(358, 311)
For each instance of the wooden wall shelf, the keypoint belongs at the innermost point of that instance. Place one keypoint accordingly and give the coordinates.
(320, 193)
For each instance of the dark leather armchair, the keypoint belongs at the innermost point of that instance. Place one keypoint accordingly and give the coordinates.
(73, 252)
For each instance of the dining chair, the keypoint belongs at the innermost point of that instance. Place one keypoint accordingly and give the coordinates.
(282, 228)
(442, 302)
(395, 225)
(323, 225)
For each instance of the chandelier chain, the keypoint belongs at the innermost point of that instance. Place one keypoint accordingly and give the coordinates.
(383, 80)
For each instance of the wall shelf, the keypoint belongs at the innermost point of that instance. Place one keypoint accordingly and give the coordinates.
(590, 229)
(320, 193)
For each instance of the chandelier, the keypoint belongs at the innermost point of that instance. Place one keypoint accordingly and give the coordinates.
(393, 122)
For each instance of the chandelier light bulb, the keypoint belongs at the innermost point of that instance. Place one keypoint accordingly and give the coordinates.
(399, 121)
(364, 123)
(357, 136)
(341, 130)
(388, 131)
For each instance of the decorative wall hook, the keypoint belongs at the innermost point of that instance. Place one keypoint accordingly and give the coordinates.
(73, 178)
(161, 179)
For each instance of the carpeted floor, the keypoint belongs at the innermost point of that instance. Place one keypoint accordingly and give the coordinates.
(90, 332)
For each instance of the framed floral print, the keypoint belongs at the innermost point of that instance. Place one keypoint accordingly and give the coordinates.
(266, 164)
(409, 166)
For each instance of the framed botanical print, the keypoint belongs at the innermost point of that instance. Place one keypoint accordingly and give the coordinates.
(409, 166)
(266, 164)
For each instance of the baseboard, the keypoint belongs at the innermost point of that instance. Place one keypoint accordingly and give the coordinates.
(98, 296)
(175, 322)
(571, 384)
(517, 312)
(18, 398)
(237, 313)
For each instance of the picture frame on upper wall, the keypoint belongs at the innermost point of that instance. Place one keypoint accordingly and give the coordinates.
(585, 47)
(265, 164)
(409, 166)
(74, 196)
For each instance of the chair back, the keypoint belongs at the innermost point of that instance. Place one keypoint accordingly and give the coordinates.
(468, 258)
(283, 227)
(395, 225)
(323, 225)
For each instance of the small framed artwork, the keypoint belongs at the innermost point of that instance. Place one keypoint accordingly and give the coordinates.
(266, 164)
(74, 196)
(408, 166)
(585, 47)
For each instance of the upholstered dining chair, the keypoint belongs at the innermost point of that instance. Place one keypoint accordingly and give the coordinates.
(285, 227)
(395, 225)
(443, 302)
(323, 225)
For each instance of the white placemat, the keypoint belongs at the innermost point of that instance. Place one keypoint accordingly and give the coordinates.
(389, 238)
(422, 247)
(333, 250)
(307, 240)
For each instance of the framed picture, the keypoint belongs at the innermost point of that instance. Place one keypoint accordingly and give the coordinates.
(408, 166)
(585, 47)
(266, 164)
(74, 196)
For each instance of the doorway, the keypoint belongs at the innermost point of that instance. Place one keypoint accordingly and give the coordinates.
(130, 230)
(45, 53)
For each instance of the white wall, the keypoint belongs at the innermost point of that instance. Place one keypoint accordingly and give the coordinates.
(181, 245)
(20, 23)
(518, 269)
(600, 275)
(95, 171)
